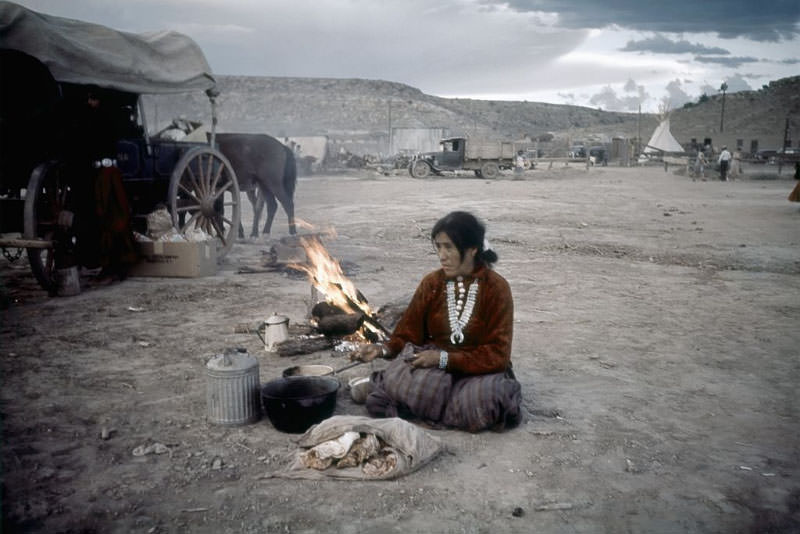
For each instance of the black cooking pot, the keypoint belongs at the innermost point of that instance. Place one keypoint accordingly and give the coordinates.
(295, 403)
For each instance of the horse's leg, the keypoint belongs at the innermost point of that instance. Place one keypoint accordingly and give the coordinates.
(272, 207)
(288, 206)
(257, 201)
(241, 228)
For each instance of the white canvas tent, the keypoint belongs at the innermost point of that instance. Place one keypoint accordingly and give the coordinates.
(662, 141)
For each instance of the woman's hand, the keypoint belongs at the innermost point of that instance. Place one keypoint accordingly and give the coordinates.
(367, 353)
(426, 358)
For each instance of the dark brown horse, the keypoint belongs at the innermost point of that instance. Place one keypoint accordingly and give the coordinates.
(265, 166)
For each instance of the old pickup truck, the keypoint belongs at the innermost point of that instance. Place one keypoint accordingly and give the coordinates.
(485, 158)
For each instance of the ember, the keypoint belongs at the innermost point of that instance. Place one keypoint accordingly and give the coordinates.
(325, 274)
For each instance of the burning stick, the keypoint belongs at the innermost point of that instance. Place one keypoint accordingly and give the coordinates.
(325, 273)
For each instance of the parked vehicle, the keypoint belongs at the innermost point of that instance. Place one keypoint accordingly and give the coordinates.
(577, 152)
(765, 155)
(484, 158)
(598, 155)
(788, 154)
(44, 80)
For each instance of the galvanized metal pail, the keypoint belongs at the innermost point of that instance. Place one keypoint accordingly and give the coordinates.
(67, 282)
(233, 388)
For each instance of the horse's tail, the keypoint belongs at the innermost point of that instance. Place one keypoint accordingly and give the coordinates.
(289, 172)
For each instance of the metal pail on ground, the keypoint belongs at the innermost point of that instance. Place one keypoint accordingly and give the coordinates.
(233, 388)
(67, 282)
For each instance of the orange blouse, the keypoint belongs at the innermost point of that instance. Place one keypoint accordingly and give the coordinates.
(487, 336)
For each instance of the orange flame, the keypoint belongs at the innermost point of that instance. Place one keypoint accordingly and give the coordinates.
(325, 274)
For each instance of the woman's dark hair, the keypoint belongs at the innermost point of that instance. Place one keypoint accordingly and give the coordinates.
(465, 231)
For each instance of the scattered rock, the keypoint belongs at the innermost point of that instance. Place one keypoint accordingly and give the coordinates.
(154, 448)
(630, 467)
(554, 506)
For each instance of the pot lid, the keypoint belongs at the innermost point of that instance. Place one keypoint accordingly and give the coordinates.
(232, 360)
(277, 319)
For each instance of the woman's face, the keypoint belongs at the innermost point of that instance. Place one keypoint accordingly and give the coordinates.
(450, 259)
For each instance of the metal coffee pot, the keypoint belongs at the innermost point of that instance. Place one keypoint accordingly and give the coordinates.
(275, 330)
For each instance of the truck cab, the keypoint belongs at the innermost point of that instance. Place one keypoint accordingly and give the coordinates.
(451, 156)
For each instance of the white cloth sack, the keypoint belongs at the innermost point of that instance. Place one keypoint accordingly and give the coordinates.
(412, 446)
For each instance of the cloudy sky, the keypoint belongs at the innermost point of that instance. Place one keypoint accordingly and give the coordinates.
(612, 55)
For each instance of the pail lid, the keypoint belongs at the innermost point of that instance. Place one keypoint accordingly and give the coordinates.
(277, 319)
(232, 360)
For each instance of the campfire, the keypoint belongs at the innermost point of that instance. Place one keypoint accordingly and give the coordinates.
(345, 311)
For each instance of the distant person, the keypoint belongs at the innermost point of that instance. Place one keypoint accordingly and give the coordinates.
(737, 162)
(700, 164)
(519, 164)
(724, 163)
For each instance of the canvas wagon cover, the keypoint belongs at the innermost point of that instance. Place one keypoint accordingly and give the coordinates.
(85, 53)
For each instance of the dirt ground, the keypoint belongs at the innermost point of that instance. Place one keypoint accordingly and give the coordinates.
(656, 340)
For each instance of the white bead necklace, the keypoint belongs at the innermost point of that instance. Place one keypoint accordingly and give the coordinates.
(459, 311)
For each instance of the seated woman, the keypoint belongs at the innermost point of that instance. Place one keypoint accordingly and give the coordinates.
(452, 346)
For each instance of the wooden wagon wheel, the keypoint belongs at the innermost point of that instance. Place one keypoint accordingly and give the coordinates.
(46, 197)
(204, 194)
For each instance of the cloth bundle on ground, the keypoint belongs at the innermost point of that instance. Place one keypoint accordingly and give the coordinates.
(362, 449)
(466, 402)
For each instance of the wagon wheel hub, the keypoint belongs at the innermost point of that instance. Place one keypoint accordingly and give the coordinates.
(207, 207)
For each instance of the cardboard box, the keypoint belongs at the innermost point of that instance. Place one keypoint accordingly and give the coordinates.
(179, 259)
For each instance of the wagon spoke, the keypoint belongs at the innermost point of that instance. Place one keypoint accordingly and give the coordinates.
(193, 208)
(189, 221)
(209, 226)
(217, 174)
(190, 193)
(220, 230)
(222, 190)
(193, 179)
(209, 170)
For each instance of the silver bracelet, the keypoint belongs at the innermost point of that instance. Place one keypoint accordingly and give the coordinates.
(384, 351)
(443, 359)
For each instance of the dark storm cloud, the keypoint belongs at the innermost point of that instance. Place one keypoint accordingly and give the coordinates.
(767, 20)
(732, 62)
(662, 45)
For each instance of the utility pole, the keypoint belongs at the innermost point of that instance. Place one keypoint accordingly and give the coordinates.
(786, 141)
(639, 132)
(389, 152)
(723, 88)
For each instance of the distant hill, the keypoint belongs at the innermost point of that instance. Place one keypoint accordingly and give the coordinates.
(360, 112)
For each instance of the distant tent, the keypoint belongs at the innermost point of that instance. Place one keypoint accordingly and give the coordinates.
(662, 140)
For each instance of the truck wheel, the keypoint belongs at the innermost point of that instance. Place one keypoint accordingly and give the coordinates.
(420, 169)
(490, 170)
